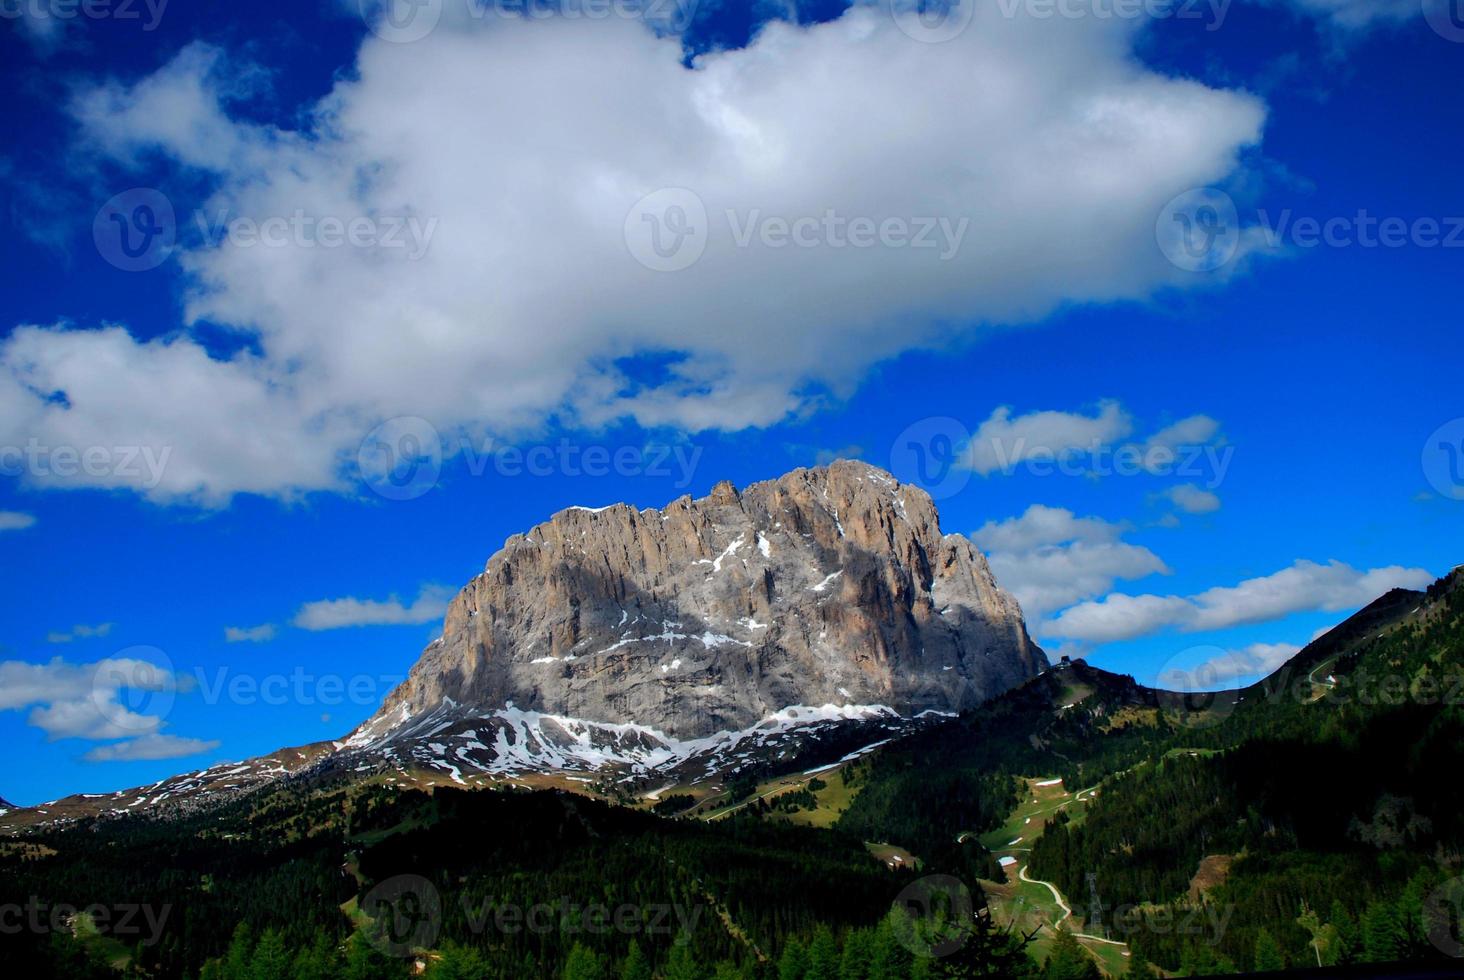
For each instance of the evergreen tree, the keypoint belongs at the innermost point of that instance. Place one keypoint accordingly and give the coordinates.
(793, 965)
(888, 960)
(635, 966)
(239, 956)
(682, 965)
(1069, 960)
(365, 962)
(984, 952)
(456, 962)
(1382, 933)
(858, 953)
(316, 962)
(823, 956)
(1349, 935)
(271, 960)
(583, 964)
(1268, 956)
(1410, 911)
(1202, 959)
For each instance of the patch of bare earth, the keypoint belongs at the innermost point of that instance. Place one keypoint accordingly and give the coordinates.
(1213, 870)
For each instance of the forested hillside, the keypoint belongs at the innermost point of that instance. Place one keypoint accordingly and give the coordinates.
(309, 883)
(1335, 804)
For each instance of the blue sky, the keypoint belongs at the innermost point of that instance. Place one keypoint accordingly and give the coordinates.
(513, 183)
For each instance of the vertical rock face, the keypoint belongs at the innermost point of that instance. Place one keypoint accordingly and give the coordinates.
(832, 585)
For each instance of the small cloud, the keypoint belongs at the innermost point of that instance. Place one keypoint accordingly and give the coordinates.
(1230, 667)
(330, 614)
(11, 520)
(1003, 441)
(1050, 558)
(325, 718)
(150, 747)
(84, 719)
(250, 634)
(826, 456)
(1197, 430)
(1192, 500)
(80, 632)
(1304, 586)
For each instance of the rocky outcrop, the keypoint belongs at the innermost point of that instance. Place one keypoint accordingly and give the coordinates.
(832, 585)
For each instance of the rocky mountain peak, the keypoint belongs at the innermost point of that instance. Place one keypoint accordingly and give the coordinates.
(827, 586)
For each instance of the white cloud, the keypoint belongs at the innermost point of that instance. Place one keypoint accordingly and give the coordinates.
(24, 683)
(250, 634)
(1097, 444)
(86, 719)
(1227, 667)
(1048, 558)
(1196, 430)
(329, 614)
(1042, 525)
(11, 520)
(79, 632)
(527, 293)
(1305, 586)
(1003, 441)
(1181, 446)
(70, 700)
(150, 747)
(1192, 500)
(170, 420)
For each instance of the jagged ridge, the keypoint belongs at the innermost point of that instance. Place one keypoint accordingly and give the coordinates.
(832, 585)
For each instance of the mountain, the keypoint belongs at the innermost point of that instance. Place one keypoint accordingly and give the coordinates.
(800, 621)
(651, 638)
(176, 796)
